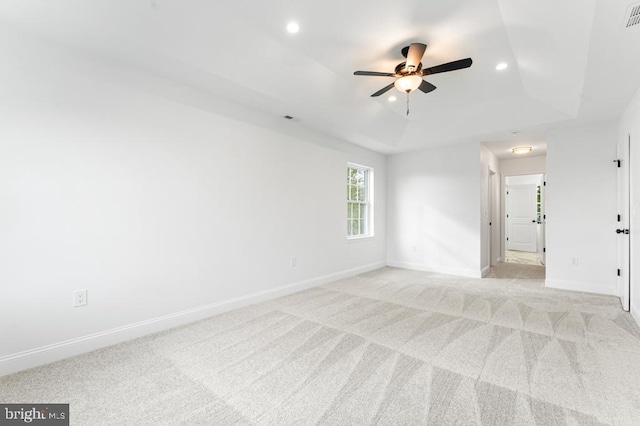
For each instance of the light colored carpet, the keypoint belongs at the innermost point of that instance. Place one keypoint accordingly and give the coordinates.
(523, 257)
(387, 347)
(532, 276)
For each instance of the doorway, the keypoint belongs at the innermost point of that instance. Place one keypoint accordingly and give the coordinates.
(524, 220)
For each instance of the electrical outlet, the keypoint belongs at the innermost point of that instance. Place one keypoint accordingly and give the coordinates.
(79, 298)
(293, 262)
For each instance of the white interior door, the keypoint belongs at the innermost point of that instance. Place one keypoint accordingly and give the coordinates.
(624, 248)
(521, 217)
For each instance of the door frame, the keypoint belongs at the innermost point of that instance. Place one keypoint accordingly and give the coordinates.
(493, 236)
(624, 222)
(542, 250)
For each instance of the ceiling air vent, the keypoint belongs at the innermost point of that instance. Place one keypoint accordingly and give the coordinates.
(632, 17)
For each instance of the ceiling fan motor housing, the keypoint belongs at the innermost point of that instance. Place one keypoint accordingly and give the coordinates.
(402, 69)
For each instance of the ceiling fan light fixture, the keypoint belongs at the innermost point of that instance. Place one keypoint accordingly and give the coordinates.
(293, 27)
(408, 83)
(523, 149)
(502, 66)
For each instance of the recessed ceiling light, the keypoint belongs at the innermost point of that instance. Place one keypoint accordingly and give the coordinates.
(524, 149)
(293, 27)
(392, 98)
(502, 66)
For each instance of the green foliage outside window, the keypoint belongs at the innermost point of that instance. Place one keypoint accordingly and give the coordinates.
(538, 205)
(357, 201)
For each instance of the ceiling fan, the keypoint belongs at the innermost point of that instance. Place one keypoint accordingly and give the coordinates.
(409, 74)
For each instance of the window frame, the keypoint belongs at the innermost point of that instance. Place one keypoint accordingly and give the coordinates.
(367, 202)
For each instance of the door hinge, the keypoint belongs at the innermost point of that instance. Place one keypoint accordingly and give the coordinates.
(544, 249)
(618, 272)
(544, 216)
(618, 218)
(544, 183)
(617, 161)
(489, 223)
(507, 215)
(507, 238)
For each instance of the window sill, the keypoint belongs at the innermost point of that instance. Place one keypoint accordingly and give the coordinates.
(360, 239)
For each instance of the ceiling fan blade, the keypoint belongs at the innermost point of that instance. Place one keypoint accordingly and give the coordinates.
(426, 87)
(449, 66)
(382, 91)
(374, 73)
(414, 55)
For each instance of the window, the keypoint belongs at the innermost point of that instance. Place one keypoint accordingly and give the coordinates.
(359, 201)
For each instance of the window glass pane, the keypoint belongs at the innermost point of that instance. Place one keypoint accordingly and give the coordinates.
(354, 227)
(351, 175)
(353, 192)
(351, 212)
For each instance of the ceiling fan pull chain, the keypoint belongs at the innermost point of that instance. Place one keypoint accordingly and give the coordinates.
(407, 104)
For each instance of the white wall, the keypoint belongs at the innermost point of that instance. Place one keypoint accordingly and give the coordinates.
(432, 210)
(524, 180)
(490, 234)
(630, 125)
(164, 212)
(524, 166)
(581, 209)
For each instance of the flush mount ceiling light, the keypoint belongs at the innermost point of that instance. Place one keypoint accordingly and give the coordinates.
(523, 149)
(502, 66)
(408, 83)
(293, 27)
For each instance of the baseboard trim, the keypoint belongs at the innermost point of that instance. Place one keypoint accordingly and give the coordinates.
(436, 269)
(635, 315)
(46, 354)
(581, 286)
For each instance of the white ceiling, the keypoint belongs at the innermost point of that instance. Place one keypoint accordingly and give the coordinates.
(569, 61)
